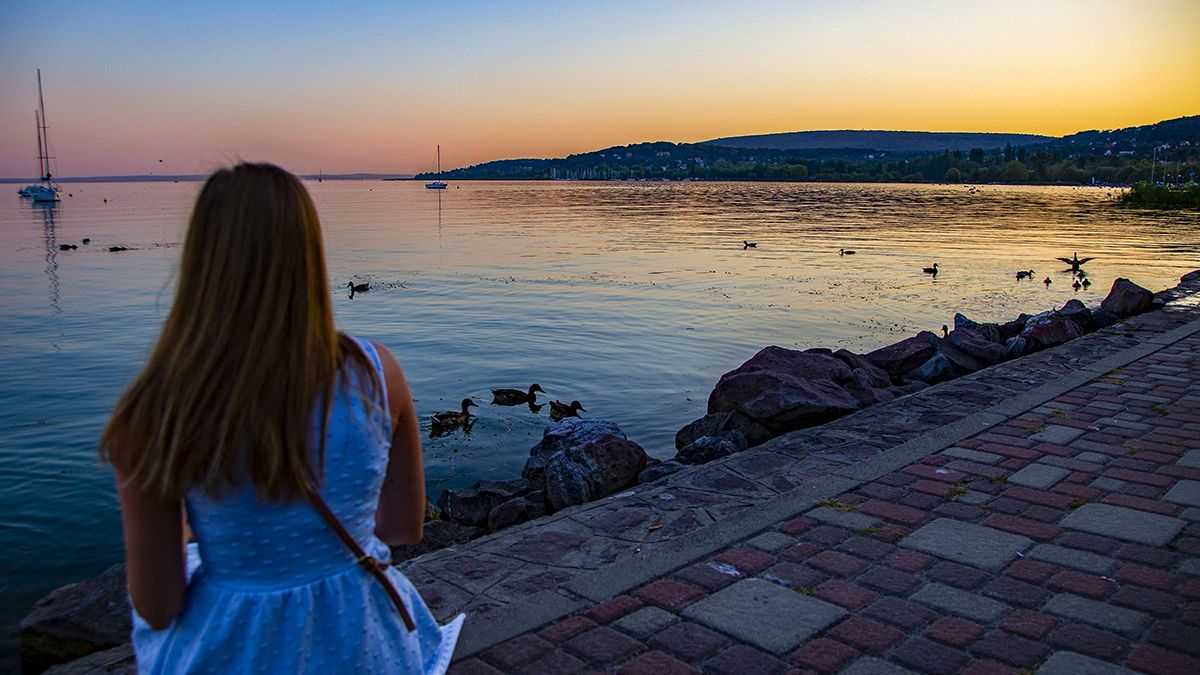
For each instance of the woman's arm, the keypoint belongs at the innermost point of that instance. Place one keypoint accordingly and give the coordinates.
(154, 554)
(400, 518)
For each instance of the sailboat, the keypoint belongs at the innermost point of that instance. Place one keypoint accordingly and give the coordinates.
(44, 191)
(438, 184)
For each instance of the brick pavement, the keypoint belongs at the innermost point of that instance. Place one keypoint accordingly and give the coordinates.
(1065, 539)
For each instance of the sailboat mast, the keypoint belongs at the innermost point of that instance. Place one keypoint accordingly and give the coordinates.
(37, 126)
(43, 139)
(439, 162)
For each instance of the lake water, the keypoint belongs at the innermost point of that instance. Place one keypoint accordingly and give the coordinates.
(630, 297)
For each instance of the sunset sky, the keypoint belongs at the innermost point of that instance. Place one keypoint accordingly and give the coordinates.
(312, 86)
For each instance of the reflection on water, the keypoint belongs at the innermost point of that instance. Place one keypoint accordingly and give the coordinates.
(632, 298)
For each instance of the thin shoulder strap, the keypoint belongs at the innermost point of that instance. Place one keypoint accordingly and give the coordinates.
(376, 567)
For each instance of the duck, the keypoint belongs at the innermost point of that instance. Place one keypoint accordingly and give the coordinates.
(1047, 281)
(1077, 285)
(85, 240)
(67, 247)
(1086, 282)
(448, 420)
(842, 251)
(1075, 261)
(931, 270)
(116, 249)
(945, 331)
(358, 288)
(748, 244)
(560, 410)
(516, 396)
(1025, 274)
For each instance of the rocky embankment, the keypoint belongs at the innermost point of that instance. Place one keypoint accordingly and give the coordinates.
(776, 391)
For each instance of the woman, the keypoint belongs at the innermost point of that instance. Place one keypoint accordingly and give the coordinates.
(254, 412)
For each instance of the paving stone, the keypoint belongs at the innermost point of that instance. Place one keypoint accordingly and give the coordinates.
(656, 663)
(1191, 514)
(739, 611)
(771, 541)
(1056, 434)
(1038, 475)
(1093, 457)
(1190, 459)
(1073, 558)
(929, 657)
(645, 622)
(1108, 484)
(851, 520)
(869, 665)
(689, 641)
(1123, 523)
(967, 543)
(740, 659)
(1186, 492)
(603, 645)
(1070, 663)
(973, 455)
(962, 603)
(1099, 614)
(1191, 567)
(824, 655)
(973, 497)
(899, 612)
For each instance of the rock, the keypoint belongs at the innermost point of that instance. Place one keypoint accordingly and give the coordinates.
(1047, 330)
(977, 346)
(438, 534)
(784, 389)
(936, 369)
(1104, 318)
(908, 388)
(720, 424)
(1015, 347)
(1077, 313)
(471, 506)
(961, 362)
(1127, 298)
(1013, 328)
(707, 448)
(1190, 277)
(518, 510)
(989, 331)
(903, 356)
(116, 661)
(884, 395)
(659, 471)
(592, 470)
(560, 436)
(77, 620)
(431, 512)
(878, 376)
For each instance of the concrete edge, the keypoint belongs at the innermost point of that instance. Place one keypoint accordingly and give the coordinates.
(542, 608)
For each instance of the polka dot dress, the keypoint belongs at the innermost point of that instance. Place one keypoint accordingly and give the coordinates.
(271, 589)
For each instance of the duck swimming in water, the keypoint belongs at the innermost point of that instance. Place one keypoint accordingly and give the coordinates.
(842, 251)
(560, 410)
(516, 396)
(748, 244)
(448, 420)
(1047, 282)
(931, 270)
(1086, 282)
(1025, 275)
(358, 288)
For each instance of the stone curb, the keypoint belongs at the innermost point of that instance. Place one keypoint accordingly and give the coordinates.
(491, 628)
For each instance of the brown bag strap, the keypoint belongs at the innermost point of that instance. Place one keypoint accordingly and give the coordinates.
(376, 567)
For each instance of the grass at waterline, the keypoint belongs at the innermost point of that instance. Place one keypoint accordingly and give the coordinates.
(1159, 196)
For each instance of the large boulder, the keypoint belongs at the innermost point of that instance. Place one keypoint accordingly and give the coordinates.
(707, 448)
(471, 506)
(905, 355)
(989, 331)
(560, 436)
(115, 661)
(962, 362)
(592, 470)
(1048, 330)
(784, 389)
(438, 534)
(76, 620)
(978, 346)
(877, 376)
(659, 471)
(517, 510)
(722, 424)
(1190, 277)
(1127, 298)
(937, 369)
(1013, 328)
(1077, 313)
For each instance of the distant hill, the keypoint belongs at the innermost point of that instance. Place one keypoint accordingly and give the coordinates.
(885, 141)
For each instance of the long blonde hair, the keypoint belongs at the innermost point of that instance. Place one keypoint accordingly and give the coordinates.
(247, 352)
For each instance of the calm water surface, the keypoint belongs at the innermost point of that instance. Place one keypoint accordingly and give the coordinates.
(632, 298)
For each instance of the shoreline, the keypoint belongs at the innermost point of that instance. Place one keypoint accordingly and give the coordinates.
(532, 562)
